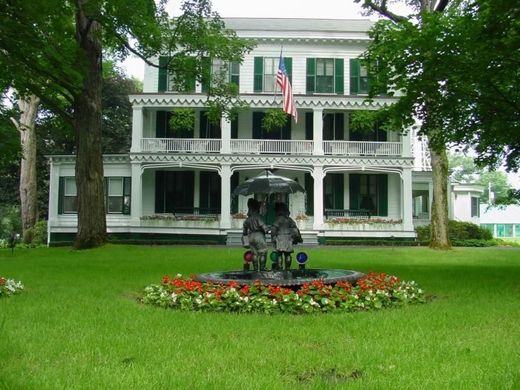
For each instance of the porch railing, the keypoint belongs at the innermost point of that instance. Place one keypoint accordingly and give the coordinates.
(362, 148)
(270, 146)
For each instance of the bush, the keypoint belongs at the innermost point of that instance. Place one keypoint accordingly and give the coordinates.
(28, 235)
(10, 220)
(40, 233)
(459, 233)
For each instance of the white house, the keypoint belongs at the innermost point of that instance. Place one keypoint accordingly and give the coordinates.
(174, 185)
(503, 222)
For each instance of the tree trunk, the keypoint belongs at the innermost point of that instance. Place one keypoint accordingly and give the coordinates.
(439, 218)
(28, 195)
(87, 124)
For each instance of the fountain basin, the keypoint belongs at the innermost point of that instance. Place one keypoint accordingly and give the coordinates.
(289, 278)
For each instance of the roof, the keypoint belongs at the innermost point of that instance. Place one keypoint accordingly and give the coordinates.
(508, 214)
(353, 29)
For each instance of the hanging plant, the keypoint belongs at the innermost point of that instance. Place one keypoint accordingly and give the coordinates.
(274, 120)
(182, 119)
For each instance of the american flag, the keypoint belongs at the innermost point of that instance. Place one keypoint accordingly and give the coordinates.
(282, 79)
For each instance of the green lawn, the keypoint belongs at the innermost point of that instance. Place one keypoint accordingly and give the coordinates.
(78, 325)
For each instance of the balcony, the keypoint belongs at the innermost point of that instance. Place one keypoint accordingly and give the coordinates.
(268, 146)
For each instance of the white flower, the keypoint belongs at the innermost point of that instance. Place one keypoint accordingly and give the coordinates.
(174, 297)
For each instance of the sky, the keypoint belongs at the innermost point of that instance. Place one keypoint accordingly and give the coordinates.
(324, 9)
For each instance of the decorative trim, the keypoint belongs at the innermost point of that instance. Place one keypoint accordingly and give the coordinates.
(107, 158)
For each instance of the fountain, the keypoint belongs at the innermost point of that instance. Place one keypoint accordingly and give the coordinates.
(293, 278)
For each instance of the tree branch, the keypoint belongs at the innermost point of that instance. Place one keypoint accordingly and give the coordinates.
(134, 51)
(384, 11)
(441, 6)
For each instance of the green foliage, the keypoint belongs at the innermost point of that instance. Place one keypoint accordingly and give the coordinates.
(182, 119)
(10, 220)
(464, 170)
(274, 119)
(458, 232)
(40, 233)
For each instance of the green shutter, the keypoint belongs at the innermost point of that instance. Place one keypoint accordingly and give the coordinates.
(234, 201)
(258, 74)
(288, 67)
(161, 124)
(339, 126)
(354, 184)
(204, 190)
(339, 76)
(257, 125)
(203, 124)
(311, 75)
(309, 125)
(354, 76)
(159, 192)
(206, 74)
(127, 195)
(234, 128)
(309, 193)
(382, 195)
(339, 188)
(163, 74)
(105, 188)
(61, 194)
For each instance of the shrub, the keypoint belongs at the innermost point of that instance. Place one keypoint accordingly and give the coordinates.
(458, 232)
(10, 220)
(40, 233)
(28, 235)
(9, 287)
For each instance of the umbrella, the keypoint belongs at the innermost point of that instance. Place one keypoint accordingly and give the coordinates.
(267, 183)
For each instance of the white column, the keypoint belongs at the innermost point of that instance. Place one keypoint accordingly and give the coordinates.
(137, 129)
(225, 198)
(406, 199)
(136, 205)
(406, 140)
(54, 187)
(430, 199)
(318, 176)
(225, 126)
(317, 132)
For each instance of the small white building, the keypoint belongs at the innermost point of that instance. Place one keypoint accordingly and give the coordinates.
(174, 185)
(503, 222)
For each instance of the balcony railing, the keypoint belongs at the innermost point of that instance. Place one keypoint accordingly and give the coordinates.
(270, 146)
(362, 148)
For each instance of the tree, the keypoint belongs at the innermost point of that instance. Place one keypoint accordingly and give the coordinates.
(53, 49)
(464, 170)
(403, 57)
(26, 126)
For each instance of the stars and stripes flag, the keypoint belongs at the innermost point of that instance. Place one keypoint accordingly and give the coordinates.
(282, 79)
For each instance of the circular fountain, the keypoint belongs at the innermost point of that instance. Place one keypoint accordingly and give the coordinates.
(276, 277)
(289, 278)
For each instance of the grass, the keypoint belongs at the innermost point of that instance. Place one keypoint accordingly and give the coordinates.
(78, 325)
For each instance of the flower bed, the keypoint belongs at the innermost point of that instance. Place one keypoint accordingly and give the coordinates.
(9, 287)
(374, 291)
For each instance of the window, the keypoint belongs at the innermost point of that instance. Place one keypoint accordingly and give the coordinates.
(358, 78)
(369, 192)
(325, 75)
(67, 197)
(333, 125)
(222, 72)
(333, 190)
(475, 206)
(173, 82)
(117, 195)
(265, 70)
(504, 230)
(174, 191)
(260, 133)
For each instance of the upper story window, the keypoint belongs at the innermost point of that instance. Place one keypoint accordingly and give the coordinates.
(223, 72)
(265, 70)
(325, 75)
(358, 78)
(168, 82)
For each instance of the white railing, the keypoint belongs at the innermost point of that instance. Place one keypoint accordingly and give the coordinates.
(270, 146)
(194, 145)
(362, 148)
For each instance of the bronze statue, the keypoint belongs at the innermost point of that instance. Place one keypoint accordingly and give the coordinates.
(284, 234)
(255, 228)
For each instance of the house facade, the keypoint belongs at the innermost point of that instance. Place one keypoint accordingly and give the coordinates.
(177, 184)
